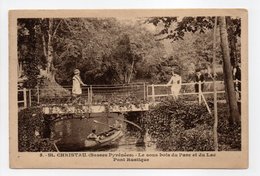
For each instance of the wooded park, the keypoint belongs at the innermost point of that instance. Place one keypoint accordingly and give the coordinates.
(119, 51)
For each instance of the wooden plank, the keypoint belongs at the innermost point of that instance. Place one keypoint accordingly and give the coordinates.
(185, 84)
(144, 91)
(25, 97)
(38, 95)
(200, 92)
(189, 93)
(153, 94)
(69, 109)
(30, 97)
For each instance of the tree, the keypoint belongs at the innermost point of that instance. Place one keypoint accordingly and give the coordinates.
(132, 50)
(38, 43)
(27, 49)
(234, 112)
(60, 44)
(175, 30)
(127, 54)
(234, 31)
(194, 51)
(47, 30)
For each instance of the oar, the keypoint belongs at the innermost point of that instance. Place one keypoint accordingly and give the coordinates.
(57, 149)
(95, 121)
(131, 123)
(53, 142)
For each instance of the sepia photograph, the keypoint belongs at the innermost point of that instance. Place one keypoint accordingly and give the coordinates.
(129, 88)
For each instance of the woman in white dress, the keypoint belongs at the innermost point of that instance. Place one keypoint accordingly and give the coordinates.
(175, 83)
(76, 84)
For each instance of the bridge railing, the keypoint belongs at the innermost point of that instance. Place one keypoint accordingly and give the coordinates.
(92, 94)
(104, 93)
(157, 91)
(98, 94)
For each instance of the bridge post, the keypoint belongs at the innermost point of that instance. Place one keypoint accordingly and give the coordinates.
(88, 96)
(38, 94)
(91, 94)
(30, 97)
(144, 92)
(147, 92)
(24, 98)
(153, 93)
(200, 92)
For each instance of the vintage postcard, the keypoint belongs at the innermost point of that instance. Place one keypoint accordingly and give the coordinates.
(128, 88)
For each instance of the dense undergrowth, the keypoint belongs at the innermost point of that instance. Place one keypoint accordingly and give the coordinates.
(182, 126)
(29, 121)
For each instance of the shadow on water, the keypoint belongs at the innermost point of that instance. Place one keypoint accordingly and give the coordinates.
(73, 133)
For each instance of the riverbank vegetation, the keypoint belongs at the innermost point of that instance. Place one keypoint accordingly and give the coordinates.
(176, 125)
(33, 132)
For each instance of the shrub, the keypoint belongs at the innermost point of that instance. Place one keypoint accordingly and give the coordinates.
(229, 136)
(181, 126)
(28, 121)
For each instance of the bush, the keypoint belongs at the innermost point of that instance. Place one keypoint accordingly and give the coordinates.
(229, 136)
(28, 121)
(181, 126)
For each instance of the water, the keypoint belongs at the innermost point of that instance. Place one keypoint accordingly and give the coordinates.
(73, 133)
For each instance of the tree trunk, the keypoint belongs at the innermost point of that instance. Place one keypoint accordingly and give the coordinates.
(48, 51)
(50, 87)
(131, 71)
(234, 112)
(125, 77)
(215, 127)
(50, 69)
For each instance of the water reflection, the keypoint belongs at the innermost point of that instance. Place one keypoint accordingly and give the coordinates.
(73, 133)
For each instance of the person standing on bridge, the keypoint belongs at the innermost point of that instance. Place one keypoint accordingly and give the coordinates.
(237, 77)
(76, 84)
(175, 83)
(199, 79)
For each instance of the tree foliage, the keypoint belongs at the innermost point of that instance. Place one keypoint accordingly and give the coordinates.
(176, 29)
(106, 50)
(28, 51)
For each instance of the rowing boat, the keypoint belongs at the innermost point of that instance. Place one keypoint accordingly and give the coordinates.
(109, 138)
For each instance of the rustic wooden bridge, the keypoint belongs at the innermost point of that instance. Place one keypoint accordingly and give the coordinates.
(115, 98)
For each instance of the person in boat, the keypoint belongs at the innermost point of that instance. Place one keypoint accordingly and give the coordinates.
(175, 83)
(76, 85)
(93, 136)
(117, 125)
